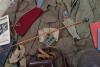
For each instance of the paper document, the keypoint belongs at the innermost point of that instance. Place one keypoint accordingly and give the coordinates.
(4, 30)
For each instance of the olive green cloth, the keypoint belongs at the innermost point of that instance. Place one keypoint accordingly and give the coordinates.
(82, 9)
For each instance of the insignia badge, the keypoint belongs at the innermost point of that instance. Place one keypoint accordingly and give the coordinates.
(69, 21)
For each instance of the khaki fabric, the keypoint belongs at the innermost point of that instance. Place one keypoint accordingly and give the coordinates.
(53, 11)
(83, 9)
(53, 18)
